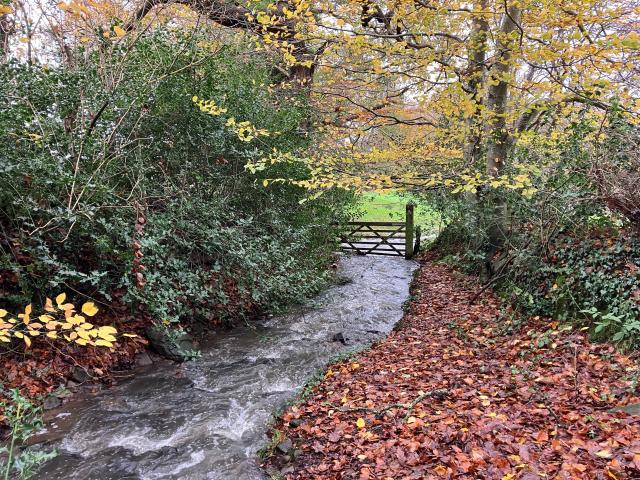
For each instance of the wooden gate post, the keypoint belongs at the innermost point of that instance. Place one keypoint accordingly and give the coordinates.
(408, 239)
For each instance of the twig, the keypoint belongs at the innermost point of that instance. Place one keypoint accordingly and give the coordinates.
(575, 368)
(545, 400)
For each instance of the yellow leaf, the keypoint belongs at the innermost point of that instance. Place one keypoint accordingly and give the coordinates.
(604, 454)
(130, 335)
(265, 182)
(5, 9)
(28, 309)
(440, 470)
(106, 336)
(48, 305)
(119, 31)
(89, 309)
(68, 308)
(4, 339)
(23, 40)
(360, 423)
(103, 343)
(3, 313)
(60, 299)
(81, 341)
(53, 335)
(83, 334)
(26, 339)
(84, 39)
(108, 329)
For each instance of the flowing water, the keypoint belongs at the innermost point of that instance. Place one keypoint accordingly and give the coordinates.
(206, 419)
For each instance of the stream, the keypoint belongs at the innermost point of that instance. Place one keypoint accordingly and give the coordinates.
(206, 419)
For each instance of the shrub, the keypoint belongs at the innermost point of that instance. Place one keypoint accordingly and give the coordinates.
(117, 186)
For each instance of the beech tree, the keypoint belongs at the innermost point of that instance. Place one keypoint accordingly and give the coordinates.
(476, 79)
(418, 94)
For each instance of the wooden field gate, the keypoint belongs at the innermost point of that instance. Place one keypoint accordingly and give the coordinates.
(382, 238)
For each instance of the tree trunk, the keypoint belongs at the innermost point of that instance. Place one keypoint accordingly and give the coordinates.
(475, 73)
(498, 135)
(6, 30)
(233, 15)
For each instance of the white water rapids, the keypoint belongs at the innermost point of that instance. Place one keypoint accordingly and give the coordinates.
(206, 419)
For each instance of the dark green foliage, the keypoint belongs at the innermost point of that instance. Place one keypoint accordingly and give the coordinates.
(87, 151)
(594, 280)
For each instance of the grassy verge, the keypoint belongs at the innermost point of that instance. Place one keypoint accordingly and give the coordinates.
(384, 207)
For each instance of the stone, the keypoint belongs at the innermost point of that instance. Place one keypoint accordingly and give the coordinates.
(51, 402)
(80, 375)
(342, 280)
(631, 409)
(285, 446)
(339, 337)
(295, 422)
(171, 344)
(143, 359)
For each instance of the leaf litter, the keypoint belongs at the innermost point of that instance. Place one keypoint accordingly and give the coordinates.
(459, 391)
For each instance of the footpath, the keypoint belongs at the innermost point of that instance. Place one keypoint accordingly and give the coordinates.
(459, 391)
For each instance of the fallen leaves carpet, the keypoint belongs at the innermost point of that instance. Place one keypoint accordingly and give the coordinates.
(459, 391)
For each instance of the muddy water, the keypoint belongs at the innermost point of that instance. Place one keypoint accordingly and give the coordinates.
(206, 419)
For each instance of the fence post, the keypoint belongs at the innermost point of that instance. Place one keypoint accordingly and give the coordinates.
(408, 234)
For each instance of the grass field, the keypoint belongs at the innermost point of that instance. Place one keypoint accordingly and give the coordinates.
(391, 207)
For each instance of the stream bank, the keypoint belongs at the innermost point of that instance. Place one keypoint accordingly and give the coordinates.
(458, 391)
(206, 419)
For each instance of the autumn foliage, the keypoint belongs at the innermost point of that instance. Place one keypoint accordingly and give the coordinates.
(59, 321)
(460, 392)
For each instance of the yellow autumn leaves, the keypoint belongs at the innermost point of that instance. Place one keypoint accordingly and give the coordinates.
(328, 172)
(208, 106)
(244, 130)
(58, 321)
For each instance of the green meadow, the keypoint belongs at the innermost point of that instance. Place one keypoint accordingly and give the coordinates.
(388, 207)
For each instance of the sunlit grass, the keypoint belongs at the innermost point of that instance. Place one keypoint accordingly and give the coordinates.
(391, 207)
